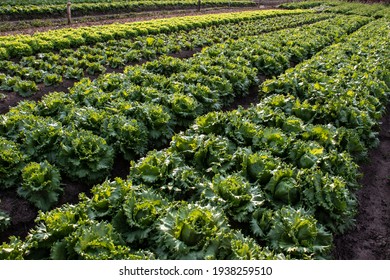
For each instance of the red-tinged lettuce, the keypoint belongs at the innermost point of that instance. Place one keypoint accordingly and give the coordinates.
(297, 234)
(11, 163)
(83, 155)
(191, 231)
(41, 184)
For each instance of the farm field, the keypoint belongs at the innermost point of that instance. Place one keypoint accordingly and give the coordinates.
(245, 135)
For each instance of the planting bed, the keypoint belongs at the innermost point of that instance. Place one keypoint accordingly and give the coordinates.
(249, 135)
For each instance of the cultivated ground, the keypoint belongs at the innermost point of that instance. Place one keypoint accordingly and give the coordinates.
(369, 240)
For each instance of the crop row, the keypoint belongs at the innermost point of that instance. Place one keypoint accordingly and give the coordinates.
(341, 7)
(82, 9)
(52, 68)
(47, 2)
(260, 183)
(128, 114)
(55, 40)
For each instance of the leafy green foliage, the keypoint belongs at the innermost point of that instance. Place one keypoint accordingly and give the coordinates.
(269, 182)
(168, 172)
(283, 187)
(11, 163)
(246, 248)
(41, 184)
(94, 241)
(141, 211)
(235, 195)
(329, 198)
(260, 166)
(5, 220)
(15, 249)
(191, 231)
(296, 233)
(25, 88)
(83, 155)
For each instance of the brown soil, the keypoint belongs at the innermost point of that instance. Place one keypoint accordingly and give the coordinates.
(370, 239)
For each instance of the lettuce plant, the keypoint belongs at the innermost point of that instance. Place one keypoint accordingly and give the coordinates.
(139, 216)
(95, 241)
(167, 171)
(330, 199)
(40, 138)
(306, 154)
(235, 195)
(128, 136)
(88, 118)
(5, 221)
(283, 187)
(15, 249)
(41, 184)
(54, 104)
(260, 166)
(11, 163)
(83, 155)
(52, 79)
(192, 231)
(246, 248)
(272, 139)
(297, 234)
(25, 88)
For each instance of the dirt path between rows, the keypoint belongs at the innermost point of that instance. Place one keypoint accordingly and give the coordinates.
(370, 239)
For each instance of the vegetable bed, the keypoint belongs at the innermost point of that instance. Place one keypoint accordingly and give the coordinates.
(275, 180)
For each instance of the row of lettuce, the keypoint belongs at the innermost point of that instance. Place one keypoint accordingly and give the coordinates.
(11, 12)
(51, 68)
(272, 181)
(55, 40)
(378, 10)
(46, 2)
